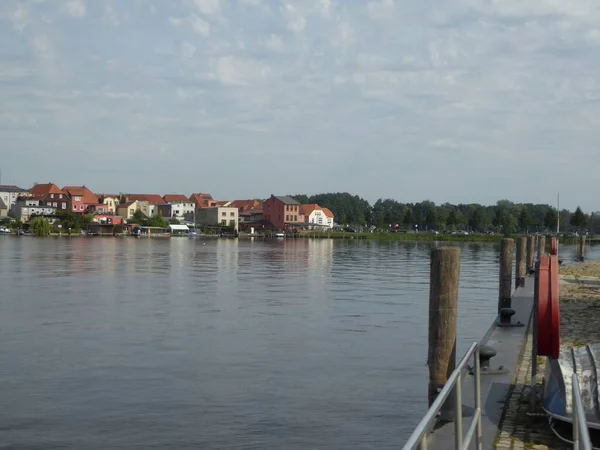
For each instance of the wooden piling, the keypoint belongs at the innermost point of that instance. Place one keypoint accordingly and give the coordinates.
(443, 309)
(530, 252)
(506, 263)
(541, 246)
(581, 251)
(521, 261)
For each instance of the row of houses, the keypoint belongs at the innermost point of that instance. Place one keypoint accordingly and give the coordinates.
(48, 200)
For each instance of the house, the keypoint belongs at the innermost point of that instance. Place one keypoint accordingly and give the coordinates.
(107, 219)
(203, 200)
(81, 198)
(316, 217)
(127, 209)
(49, 194)
(26, 208)
(149, 204)
(110, 200)
(3, 208)
(100, 208)
(218, 215)
(181, 206)
(246, 205)
(281, 211)
(9, 194)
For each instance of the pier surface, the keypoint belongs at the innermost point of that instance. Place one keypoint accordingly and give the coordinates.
(496, 389)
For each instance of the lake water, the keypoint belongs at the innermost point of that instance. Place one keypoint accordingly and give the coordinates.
(224, 344)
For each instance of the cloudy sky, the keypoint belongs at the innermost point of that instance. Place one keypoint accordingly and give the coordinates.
(447, 100)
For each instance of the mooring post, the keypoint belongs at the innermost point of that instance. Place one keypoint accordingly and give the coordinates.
(534, 355)
(541, 246)
(506, 263)
(443, 311)
(530, 252)
(521, 261)
(582, 248)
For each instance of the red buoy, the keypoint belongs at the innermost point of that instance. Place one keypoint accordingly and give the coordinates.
(548, 310)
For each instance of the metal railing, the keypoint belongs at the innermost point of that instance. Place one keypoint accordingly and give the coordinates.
(420, 437)
(581, 434)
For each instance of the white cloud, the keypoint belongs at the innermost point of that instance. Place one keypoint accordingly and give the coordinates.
(187, 50)
(295, 19)
(208, 7)
(230, 70)
(74, 8)
(20, 17)
(198, 25)
(41, 46)
(274, 43)
(379, 10)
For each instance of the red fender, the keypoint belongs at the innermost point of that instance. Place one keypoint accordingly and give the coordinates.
(548, 310)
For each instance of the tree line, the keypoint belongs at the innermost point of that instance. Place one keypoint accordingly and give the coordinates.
(505, 216)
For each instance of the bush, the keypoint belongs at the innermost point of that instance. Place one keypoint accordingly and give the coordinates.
(40, 226)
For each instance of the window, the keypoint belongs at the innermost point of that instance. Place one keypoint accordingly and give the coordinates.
(64, 205)
(77, 198)
(287, 218)
(287, 207)
(224, 222)
(51, 195)
(232, 214)
(223, 214)
(59, 195)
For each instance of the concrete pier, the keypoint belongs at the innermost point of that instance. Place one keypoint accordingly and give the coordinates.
(496, 386)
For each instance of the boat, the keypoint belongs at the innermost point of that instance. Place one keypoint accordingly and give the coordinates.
(279, 235)
(557, 401)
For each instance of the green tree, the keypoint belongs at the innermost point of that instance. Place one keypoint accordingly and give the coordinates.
(550, 219)
(174, 221)
(408, 218)
(40, 226)
(524, 220)
(451, 220)
(476, 218)
(157, 221)
(579, 218)
(139, 218)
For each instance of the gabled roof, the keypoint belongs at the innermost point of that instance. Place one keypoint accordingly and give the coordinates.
(153, 199)
(2, 204)
(307, 209)
(11, 188)
(246, 205)
(86, 195)
(125, 205)
(176, 198)
(202, 200)
(44, 189)
(285, 199)
(328, 212)
(226, 203)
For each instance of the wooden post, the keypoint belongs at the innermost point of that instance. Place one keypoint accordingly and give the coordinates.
(506, 263)
(541, 246)
(582, 248)
(521, 261)
(443, 309)
(530, 252)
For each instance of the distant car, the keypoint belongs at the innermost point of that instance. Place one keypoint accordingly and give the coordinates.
(462, 233)
(4, 230)
(433, 232)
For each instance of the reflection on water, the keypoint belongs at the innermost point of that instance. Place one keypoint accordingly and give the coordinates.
(219, 344)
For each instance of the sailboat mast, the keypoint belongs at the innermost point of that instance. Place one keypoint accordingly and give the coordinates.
(557, 213)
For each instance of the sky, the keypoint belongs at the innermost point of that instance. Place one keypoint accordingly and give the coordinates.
(447, 100)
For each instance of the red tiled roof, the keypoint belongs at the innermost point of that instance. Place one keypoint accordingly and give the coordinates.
(328, 212)
(125, 205)
(307, 209)
(175, 198)
(87, 196)
(245, 205)
(202, 200)
(153, 199)
(44, 189)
